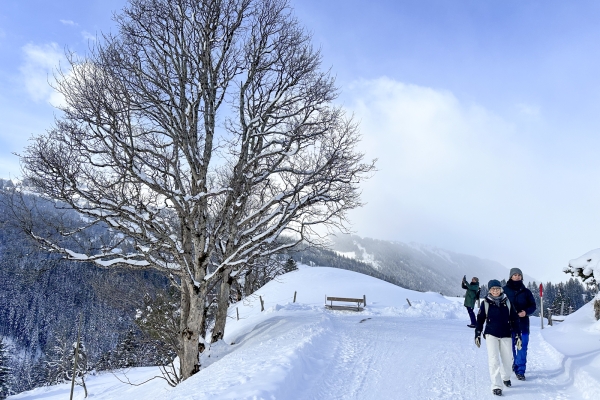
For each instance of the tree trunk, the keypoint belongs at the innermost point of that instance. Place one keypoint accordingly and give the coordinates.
(249, 282)
(192, 321)
(222, 306)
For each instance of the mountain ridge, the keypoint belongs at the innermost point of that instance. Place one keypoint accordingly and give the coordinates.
(419, 266)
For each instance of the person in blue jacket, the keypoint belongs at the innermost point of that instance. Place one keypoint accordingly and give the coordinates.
(501, 322)
(523, 301)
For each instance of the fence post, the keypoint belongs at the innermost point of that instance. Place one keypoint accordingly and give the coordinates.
(295, 296)
(262, 304)
(542, 311)
(410, 305)
(365, 299)
(76, 356)
(549, 317)
(237, 311)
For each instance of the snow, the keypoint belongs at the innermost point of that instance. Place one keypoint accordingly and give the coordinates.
(368, 258)
(365, 257)
(347, 254)
(388, 351)
(588, 264)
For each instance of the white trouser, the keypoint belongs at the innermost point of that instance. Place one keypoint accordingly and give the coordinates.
(499, 348)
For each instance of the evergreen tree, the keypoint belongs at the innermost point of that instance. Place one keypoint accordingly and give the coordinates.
(58, 362)
(290, 265)
(4, 371)
(574, 291)
(483, 291)
(39, 372)
(535, 290)
(125, 355)
(561, 302)
(105, 362)
(549, 295)
(159, 322)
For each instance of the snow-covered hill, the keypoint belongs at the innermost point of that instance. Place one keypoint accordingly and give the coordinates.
(388, 351)
(421, 267)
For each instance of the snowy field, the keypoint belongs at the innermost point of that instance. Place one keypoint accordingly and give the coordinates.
(388, 351)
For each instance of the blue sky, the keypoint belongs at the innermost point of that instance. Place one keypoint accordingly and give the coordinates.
(483, 114)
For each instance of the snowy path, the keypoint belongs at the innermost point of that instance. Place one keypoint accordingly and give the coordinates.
(384, 357)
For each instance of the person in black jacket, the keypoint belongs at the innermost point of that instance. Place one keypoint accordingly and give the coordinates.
(523, 301)
(501, 321)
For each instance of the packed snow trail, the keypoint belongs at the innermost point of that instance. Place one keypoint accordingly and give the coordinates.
(337, 355)
(396, 357)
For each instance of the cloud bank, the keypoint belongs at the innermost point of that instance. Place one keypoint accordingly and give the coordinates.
(457, 176)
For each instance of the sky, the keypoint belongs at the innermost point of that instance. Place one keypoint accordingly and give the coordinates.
(483, 115)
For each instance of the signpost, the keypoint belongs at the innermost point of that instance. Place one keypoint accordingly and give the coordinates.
(542, 305)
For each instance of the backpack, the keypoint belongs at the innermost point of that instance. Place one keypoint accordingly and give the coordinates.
(486, 305)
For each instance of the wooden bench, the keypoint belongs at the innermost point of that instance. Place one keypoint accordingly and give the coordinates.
(356, 301)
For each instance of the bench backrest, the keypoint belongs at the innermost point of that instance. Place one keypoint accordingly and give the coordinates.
(346, 299)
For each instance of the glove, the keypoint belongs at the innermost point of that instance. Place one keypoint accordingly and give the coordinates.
(478, 338)
(518, 342)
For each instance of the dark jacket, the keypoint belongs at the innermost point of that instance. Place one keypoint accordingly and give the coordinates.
(522, 300)
(501, 320)
(471, 294)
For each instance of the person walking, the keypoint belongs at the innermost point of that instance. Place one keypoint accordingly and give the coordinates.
(501, 321)
(472, 290)
(523, 301)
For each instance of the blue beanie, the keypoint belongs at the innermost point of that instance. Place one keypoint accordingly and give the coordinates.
(494, 283)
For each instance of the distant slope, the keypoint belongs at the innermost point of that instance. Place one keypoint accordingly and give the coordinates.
(418, 267)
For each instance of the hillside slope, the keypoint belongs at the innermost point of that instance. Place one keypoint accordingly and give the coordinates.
(420, 267)
(388, 351)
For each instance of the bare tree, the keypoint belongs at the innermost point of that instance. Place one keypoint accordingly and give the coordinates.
(198, 134)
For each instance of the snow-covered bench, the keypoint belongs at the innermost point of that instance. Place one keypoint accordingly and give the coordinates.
(356, 301)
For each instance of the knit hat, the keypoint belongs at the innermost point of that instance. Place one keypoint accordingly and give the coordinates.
(476, 279)
(515, 271)
(494, 283)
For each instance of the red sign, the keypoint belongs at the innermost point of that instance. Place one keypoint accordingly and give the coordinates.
(541, 290)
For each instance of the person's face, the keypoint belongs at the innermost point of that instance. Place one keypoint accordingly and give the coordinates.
(495, 291)
(516, 277)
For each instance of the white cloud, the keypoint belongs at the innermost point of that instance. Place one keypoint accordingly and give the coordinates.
(530, 110)
(41, 61)
(450, 174)
(88, 36)
(463, 178)
(421, 134)
(68, 22)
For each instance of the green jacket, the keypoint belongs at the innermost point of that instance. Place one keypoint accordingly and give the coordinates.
(471, 294)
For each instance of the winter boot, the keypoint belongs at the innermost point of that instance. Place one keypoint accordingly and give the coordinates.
(520, 377)
(497, 392)
(507, 383)
(471, 326)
